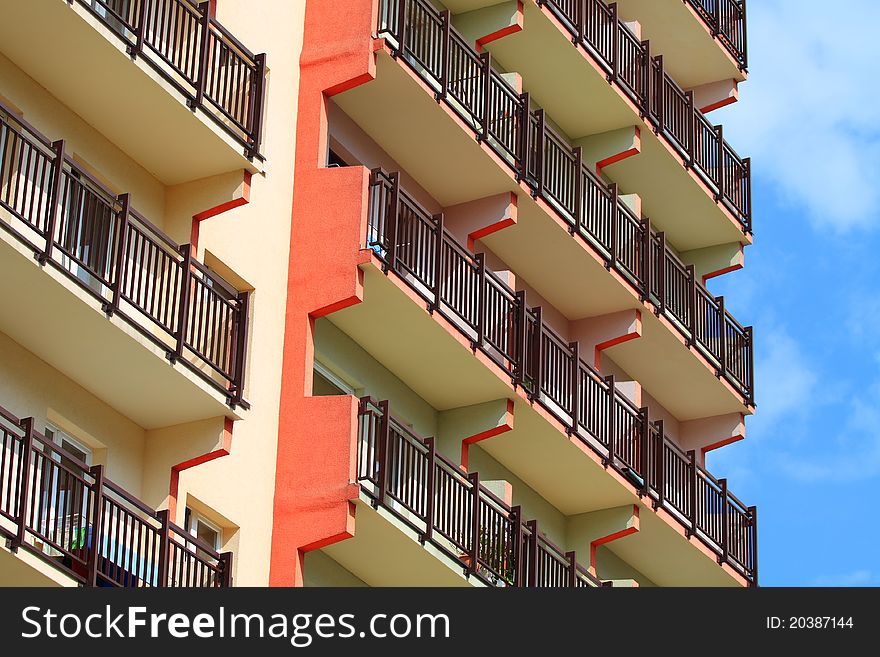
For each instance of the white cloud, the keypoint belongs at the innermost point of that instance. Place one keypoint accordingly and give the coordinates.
(807, 114)
(854, 578)
(850, 454)
(787, 380)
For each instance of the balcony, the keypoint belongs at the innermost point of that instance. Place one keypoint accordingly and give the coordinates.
(409, 240)
(470, 527)
(500, 115)
(727, 20)
(493, 320)
(702, 41)
(97, 258)
(70, 516)
(166, 68)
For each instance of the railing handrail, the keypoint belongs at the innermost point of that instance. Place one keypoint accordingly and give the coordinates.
(519, 361)
(95, 488)
(369, 406)
(125, 221)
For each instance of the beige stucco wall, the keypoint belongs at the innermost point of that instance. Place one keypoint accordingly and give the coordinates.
(249, 245)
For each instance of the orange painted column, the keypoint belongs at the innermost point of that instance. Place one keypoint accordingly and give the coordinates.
(315, 479)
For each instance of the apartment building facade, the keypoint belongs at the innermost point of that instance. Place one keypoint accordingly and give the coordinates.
(416, 296)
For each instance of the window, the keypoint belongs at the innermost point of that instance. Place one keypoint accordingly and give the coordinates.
(204, 530)
(336, 160)
(326, 384)
(64, 502)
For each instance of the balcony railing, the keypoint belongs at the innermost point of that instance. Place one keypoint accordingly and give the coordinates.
(503, 118)
(639, 253)
(495, 318)
(71, 221)
(405, 474)
(727, 20)
(197, 55)
(71, 516)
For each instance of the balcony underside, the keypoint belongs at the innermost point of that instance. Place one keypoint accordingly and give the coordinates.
(384, 552)
(52, 317)
(675, 201)
(401, 114)
(691, 55)
(575, 482)
(24, 569)
(563, 80)
(675, 375)
(439, 366)
(84, 64)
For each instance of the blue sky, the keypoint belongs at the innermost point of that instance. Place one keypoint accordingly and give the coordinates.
(808, 117)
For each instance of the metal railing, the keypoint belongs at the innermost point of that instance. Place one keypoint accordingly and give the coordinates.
(404, 473)
(727, 20)
(197, 55)
(71, 516)
(634, 250)
(71, 221)
(458, 285)
(504, 119)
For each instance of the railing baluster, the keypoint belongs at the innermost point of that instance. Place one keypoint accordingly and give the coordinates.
(719, 165)
(481, 301)
(486, 62)
(55, 201)
(140, 29)
(204, 45)
(725, 521)
(537, 352)
(692, 304)
(120, 260)
(384, 435)
(474, 478)
(532, 526)
(430, 489)
(615, 224)
(578, 190)
(521, 337)
(23, 506)
(723, 357)
(237, 386)
(691, 129)
(539, 189)
(439, 274)
(610, 425)
(692, 483)
(647, 260)
(517, 517)
(753, 517)
(258, 102)
(574, 383)
(645, 449)
(186, 282)
(572, 568)
(444, 54)
(525, 119)
(661, 464)
(615, 43)
(225, 565)
(95, 540)
(162, 568)
(392, 235)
